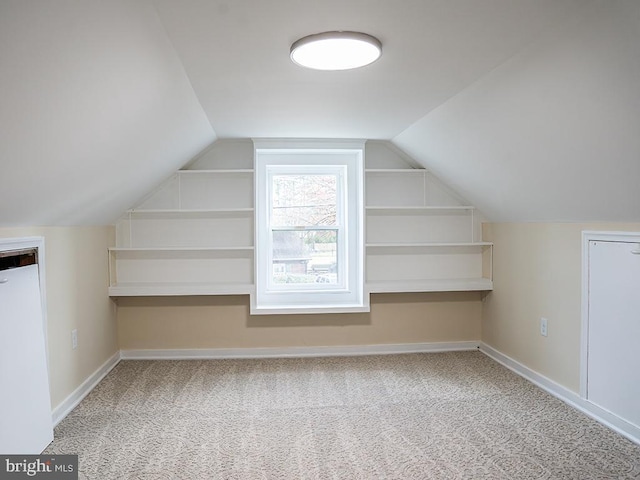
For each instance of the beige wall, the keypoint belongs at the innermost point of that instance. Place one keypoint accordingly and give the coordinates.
(224, 322)
(76, 284)
(537, 273)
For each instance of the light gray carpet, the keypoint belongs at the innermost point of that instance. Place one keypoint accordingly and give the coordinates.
(420, 416)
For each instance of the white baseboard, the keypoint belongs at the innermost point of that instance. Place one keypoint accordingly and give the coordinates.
(69, 403)
(293, 352)
(571, 398)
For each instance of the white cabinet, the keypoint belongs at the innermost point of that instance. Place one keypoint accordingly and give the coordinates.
(611, 271)
(419, 238)
(192, 236)
(25, 407)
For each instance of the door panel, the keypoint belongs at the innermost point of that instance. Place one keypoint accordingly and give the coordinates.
(613, 375)
(25, 407)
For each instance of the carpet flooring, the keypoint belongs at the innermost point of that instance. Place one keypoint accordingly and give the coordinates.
(457, 415)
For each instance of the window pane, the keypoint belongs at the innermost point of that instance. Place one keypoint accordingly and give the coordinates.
(304, 200)
(307, 257)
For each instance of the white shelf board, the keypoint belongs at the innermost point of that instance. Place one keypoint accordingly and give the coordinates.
(428, 245)
(395, 170)
(180, 249)
(439, 285)
(419, 210)
(214, 211)
(224, 171)
(423, 207)
(177, 289)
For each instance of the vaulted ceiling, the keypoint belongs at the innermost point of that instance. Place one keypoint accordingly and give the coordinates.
(528, 108)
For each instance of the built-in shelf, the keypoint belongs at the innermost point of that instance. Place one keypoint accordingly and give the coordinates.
(178, 289)
(217, 171)
(180, 270)
(427, 245)
(420, 237)
(152, 250)
(395, 170)
(438, 285)
(420, 209)
(192, 236)
(429, 266)
(185, 212)
(195, 236)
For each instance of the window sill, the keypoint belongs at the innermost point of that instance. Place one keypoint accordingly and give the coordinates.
(308, 309)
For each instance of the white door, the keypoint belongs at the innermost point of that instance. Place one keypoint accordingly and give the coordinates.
(25, 406)
(613, 364)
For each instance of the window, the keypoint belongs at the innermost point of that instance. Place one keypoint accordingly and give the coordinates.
(309, 227)
(305, 226)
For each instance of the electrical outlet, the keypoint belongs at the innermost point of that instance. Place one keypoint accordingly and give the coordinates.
(74, 339)
(543, 327)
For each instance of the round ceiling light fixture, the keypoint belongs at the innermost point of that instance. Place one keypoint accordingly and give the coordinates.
(336, 50)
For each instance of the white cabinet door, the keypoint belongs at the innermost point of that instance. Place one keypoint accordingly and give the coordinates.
(25, 406)
(613, 371)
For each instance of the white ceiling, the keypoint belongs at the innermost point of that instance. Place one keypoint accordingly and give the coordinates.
(95, 110)
(236, 54)
(522, 106)
(553, 134)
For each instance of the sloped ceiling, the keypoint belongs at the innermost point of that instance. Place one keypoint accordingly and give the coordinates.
(95, 110)
(528, 108)
(236, 54)
(553, 134)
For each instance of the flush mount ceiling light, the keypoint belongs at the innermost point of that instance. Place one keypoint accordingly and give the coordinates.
(336, 50)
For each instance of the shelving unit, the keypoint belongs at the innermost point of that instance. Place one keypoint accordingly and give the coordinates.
(181, 271)
(188, 228)
(424, 224)
(419, 238)
(192, 236)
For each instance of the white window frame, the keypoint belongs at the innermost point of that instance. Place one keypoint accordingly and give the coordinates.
(342, 158)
